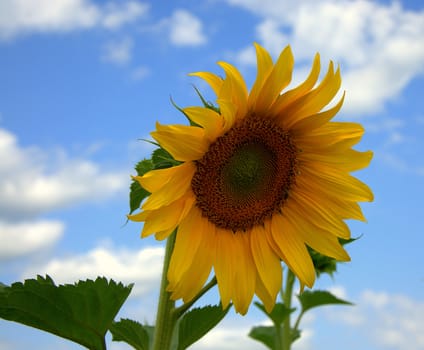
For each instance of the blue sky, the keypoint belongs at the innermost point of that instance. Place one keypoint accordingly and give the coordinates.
(81, 81)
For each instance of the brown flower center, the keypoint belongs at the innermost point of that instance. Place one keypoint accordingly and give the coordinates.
(246, 174)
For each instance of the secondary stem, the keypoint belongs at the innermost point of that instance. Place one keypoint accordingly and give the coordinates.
(287, 296)
(183, 308)
(165, 318)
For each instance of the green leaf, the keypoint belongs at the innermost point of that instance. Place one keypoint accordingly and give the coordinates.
(295, 334)
(137, 192)
(264, 334)
(133, 333)
(310, 299)
(197, 322)
(143, 166)
(82, 312)
(162, 159)
(278, 314)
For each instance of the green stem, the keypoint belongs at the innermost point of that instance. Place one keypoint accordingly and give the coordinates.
(296, 325)
(287, 297)
(165, 318)
(179, 311)
(279, 337)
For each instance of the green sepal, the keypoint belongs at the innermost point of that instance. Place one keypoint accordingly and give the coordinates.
(278, 314)
(80, 312)
(139, 336)
(197, 322)
(311, 299)
(324, 264)
(206, 104)
(264, 334)
(192, 123)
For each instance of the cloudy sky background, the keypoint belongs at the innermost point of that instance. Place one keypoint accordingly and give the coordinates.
(81, 81)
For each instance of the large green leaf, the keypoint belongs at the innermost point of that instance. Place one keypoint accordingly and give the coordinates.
(310, 299)
(278, 313)
(134, 333)
(81, 312)
(265, 334)
(197, 322)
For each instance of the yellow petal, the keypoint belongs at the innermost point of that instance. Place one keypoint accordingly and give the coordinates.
(266, 261)
(161, 235)
(186, 280)
(303, 126)
(346, 186)
(314, 236)
(346, 160)
(189, 235)
(324, 217)
(234, 269)
(245, 276)
(265, 65)
(339, 135)
(293, 249)
(198, 271)
(139, 217)
(315, 100)
(263, 293)
(292, 95)
(228, 112)
(154, 180)
(225, 264)
(214, 81)
(168, 217)
(345, 208)
(210, 120)
(183, 142)
(238, 89)
(173, 189)
(277, 80)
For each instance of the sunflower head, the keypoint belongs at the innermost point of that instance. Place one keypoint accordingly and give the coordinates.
(260, 179)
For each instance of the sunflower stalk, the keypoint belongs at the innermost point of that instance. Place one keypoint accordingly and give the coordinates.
(287, 298)
(166, 318)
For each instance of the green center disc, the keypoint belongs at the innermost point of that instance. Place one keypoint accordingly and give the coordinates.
(249, 171)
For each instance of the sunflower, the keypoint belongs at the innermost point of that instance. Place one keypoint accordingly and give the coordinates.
(260, 178)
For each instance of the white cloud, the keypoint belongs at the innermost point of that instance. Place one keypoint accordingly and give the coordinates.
(142, 267)
(232, 333)
(115, 16)
(140, 73)
(33, 181)
(380, 47)
(338, 291)
(228, 338)
(389, 320)
(118, 52)
(185, 29)
(18, 239)
(400, 144)
(27, 16)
